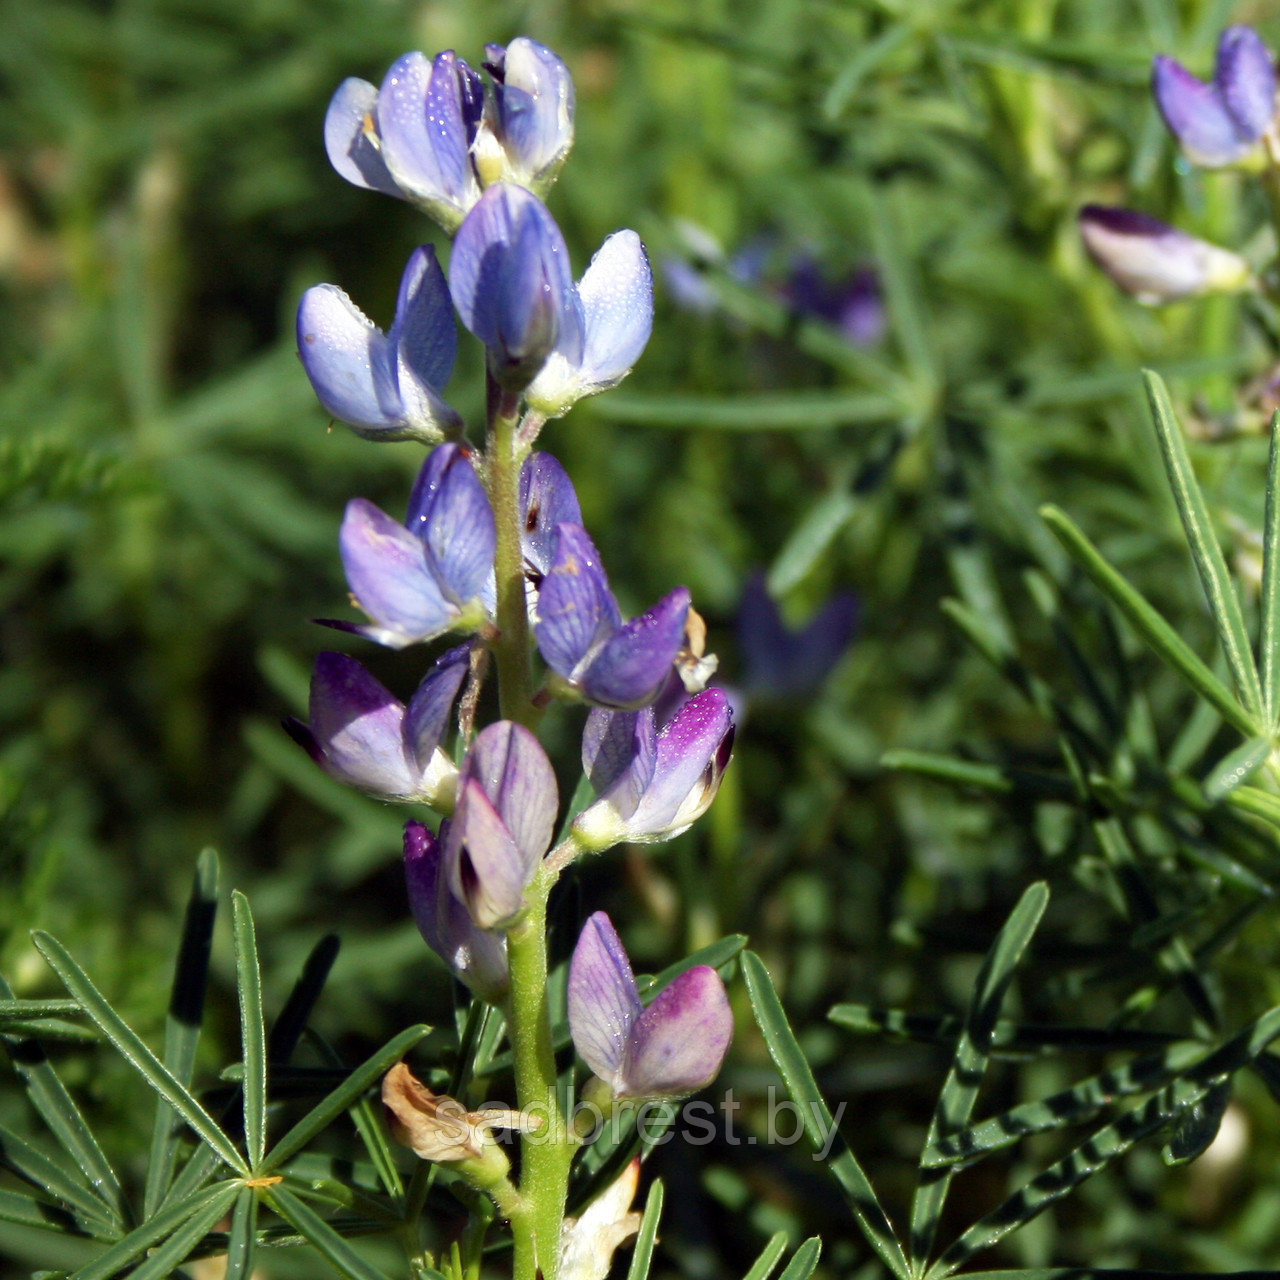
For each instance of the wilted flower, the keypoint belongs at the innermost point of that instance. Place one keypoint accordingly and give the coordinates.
(511, 283)
(583, 639)
(434, 575)
(527, 129)
(588, 1242)
(475, 957)
(411, 138)
(614, 302)
(1156, 262)
(780, 662)
(672, 1048)
(502, 823)
(385, 386)
(653, 780)
(1222, 122)
(362, 735)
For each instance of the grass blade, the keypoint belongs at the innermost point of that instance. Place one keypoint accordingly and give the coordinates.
(168, 1220)
(820, 1127)
(1269, 628)
(804, 1261)
(341, 1098)
(1149, 625)
(241, 1239)
(132, 1049)
(646, 1238)
(182, 1025)
(328, 1243)
(253, 1034)
(55, 1107)
(960, 1091)
(762, 1267)
(1224, 604)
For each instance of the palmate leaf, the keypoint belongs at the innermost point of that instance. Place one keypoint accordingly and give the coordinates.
(960, 1091)
(326, 1241)
(819, 1125)
(182, 1025)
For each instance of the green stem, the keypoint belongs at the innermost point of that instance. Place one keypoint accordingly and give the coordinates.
(546, 1153)
(503, 456)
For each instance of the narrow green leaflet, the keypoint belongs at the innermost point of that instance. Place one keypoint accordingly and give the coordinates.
(642, 1256)
(1144, 619)
(810, 540)
(804, 1261)
(253, 1034)
(241, 1238)
(328, 1243)
(33, 1166)
(1257, 803)
(164, 1224)
(332, 1106)
(132, 1049)
(287, 1029)
(770, 1256)
(1236, 767)
(55, 1107)
(1269, 628)
(819, 1125)
(22, 1011)
(182, 1025)
(27, 1211)
(1224, 604)
(960, 1091)
(178, 1247)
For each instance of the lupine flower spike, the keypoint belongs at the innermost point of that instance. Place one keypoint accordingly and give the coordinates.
(672, 1048)
(360, 734)
(385, 386)
(502, 824)
(474, 956)
(1223, 122)
(435, 572)
(653, 780)
(1155, 262)
(583, 639)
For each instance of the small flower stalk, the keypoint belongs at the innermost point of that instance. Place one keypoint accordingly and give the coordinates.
(493, 549)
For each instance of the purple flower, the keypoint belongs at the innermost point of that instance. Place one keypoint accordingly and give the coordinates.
(547, 499)
(502, 823)
(528, 127)
(583, 639)
(361, 735)
(1220, 123)
(436, 574)
(1156, 262)
(477, 958)
(853, 305)
(512, 286)
(672, 1048)
(614, 304)
(783, 663)
(653, 780)
(412, 138)
(385, 386)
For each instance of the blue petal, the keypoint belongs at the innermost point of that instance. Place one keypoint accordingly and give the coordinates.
(535, 100)
(350, 138)
(576, 609)
(547, 499)
(486, 869)
(424, 114)
(1196, 115)
(1246, 79)
(510, 765)
(619, 751)
(632, 665)
(424, 337)
(388, 575)
(348, 359)
(603, 1000)
(429, 708)
(449, 510)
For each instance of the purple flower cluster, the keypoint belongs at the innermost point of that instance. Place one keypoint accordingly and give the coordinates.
(478, 158)
(1229, 121)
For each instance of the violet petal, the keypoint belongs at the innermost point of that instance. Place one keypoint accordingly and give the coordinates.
(679, 1042)
(633, 663)
(602, 997)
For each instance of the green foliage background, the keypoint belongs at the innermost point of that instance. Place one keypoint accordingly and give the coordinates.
(170, 496)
